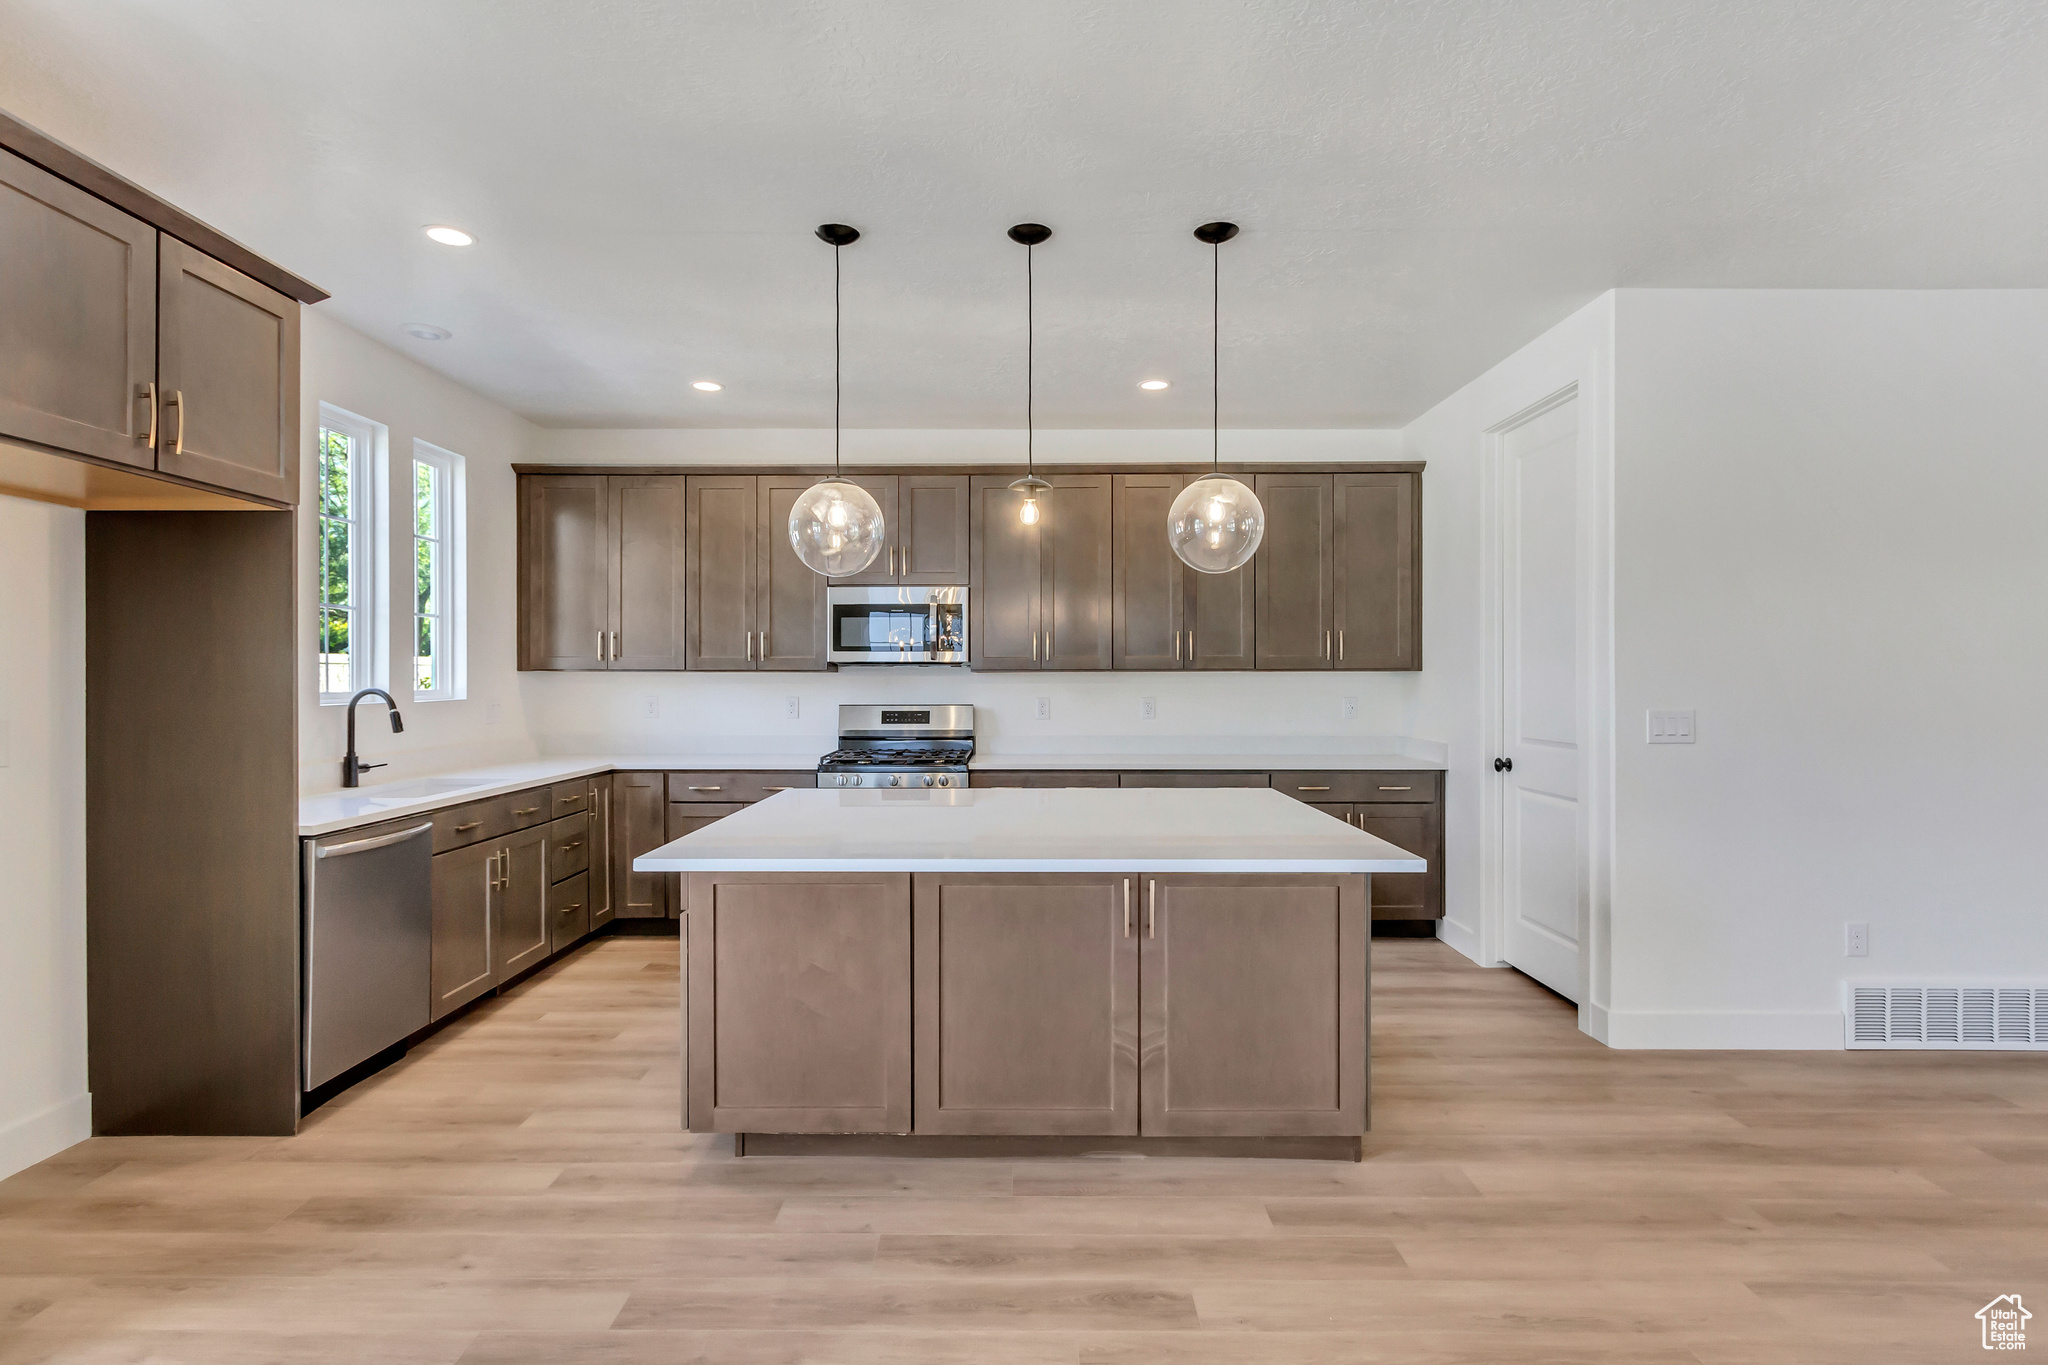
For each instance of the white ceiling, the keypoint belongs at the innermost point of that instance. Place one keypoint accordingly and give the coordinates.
(1424, 184)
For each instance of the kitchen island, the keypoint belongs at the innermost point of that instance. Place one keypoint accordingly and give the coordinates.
(1029, 971)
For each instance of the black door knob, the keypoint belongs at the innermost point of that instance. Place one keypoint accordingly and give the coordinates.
(1503, 765)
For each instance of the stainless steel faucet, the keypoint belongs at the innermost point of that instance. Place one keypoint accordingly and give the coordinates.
(353, 768)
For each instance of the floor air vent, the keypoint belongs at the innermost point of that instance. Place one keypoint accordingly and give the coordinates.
(1991, 1017)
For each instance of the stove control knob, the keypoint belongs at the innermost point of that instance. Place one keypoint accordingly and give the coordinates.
(895, 780)
(945, 781)
(928, 779)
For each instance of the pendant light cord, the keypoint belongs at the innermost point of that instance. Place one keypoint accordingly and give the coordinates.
(835, 360)
(1030, 365)
(1215, 358)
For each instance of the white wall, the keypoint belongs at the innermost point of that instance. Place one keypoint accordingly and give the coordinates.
(1830, 510)
(348, 370)
(44, 1106)
(1457, 697)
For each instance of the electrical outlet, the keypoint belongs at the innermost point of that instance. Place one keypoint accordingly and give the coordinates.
(1670, 727)
(1351, 708)
(650, 706)
(792, 707)
(1045, 708)
(1148, 708)
(1856, 940)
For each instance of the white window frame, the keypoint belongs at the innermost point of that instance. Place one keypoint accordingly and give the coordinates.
(367, 621)
(451, 587)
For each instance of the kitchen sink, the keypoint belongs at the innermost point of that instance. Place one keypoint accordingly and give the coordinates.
(417, 788)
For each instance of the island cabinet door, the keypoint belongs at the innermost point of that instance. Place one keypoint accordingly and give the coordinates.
(1253, 1006)
(799, 1002)
(1026, 1003)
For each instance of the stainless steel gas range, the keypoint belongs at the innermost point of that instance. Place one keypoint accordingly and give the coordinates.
(900, 746)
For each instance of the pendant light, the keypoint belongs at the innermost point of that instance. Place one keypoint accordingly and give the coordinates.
(835, 526)
(1216, 523)
(1029, 235)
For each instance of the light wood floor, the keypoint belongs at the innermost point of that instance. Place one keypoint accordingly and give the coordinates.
(517, 1191)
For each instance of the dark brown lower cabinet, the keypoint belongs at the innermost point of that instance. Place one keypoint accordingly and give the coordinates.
(1028, 777)
(519, 904)
(1025, 1003)
(1182, 779)
(639, 815)
(1414, 828)
(464, 882)
(1254, 1013)
(568, 911)
(798, 1013)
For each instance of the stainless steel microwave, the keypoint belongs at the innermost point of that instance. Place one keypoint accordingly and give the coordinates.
(897, 625)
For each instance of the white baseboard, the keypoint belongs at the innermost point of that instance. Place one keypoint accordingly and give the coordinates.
(44, 1134)
(1740, 1030)
(1461, 938)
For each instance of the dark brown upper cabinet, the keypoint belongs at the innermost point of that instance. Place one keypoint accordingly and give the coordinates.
(1294, 572)
(227, 376)
(601, 572)
(1041, 594)
(927, 521)
(1164, 614)
(565, 535)
(645, 577)
(77, 319)
(789, 611)
(724, 573)
(1378, 605)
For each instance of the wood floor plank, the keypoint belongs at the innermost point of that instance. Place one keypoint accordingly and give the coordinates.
(518, 1190)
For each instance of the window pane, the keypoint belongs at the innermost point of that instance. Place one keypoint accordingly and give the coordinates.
(334, 474)
(423, 574)
(426, 673)
(423, 498)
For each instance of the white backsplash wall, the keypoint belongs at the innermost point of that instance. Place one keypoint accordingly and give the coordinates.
(709, 713)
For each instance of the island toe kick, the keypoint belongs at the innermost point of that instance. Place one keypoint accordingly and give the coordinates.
(1029, 1013)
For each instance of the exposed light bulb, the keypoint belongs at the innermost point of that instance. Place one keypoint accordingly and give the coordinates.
(836, 514)
(1028, 513)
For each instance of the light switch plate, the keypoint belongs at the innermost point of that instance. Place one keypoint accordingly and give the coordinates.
(1855, 940)
(1045, 708)
(1351, 708)
(1148, 708)
(650, 706)
(1671, 727)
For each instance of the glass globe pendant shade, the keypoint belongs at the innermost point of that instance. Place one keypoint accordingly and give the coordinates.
(1215, 525)
(836, 528)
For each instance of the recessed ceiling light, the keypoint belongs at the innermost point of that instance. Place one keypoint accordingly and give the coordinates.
(707, 385)
(448, 236)
(1155, 384)
(426, 331)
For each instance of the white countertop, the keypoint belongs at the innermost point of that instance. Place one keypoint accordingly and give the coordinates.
(1067, 829)
(1158, 762)
(377, 802)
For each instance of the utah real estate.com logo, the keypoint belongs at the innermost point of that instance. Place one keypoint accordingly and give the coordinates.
(2005, 1323)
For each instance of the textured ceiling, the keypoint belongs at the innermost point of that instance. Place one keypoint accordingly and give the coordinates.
(1424, 186)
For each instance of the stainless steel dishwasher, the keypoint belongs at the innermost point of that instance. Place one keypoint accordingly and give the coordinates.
(369, 929)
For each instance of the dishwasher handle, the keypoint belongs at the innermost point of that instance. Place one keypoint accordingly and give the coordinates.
(365, 845)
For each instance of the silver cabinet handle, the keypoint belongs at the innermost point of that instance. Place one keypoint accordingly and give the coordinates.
(892, 561)
(1034, 646)
(1127, 907)
(377, 841)
(1176, 646)
(1326, 644)
(1319, 789)
(471, 825)
(1152, 908)
(1397, 789)
(1191, 646)
(1048, 645)
(1340, 646)
(178, 400)
(530, 810)
(573, 843)
(600, 646)
(615, 646)
(707, 789)
(750, 646)
(149, 393)
(565, 800)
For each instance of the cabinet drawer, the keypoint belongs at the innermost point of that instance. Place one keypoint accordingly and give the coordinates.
(461, 826)
(731, 786)
(567, 798)
(568, 846)
(568, 911)
(529, 807)
(1042, 778)
(1183, 779)
(1380, 788)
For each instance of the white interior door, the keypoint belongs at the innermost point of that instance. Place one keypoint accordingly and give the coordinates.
(1542, 820)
